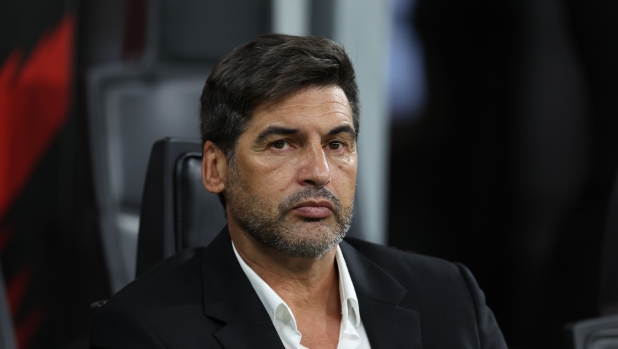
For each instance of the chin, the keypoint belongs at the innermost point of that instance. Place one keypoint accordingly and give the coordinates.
(306, 239)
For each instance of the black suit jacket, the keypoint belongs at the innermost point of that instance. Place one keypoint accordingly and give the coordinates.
(201, 298)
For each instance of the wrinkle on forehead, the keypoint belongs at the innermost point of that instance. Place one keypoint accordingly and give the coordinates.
(310, 98)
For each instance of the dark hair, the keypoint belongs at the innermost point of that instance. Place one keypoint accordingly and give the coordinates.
(268, 68)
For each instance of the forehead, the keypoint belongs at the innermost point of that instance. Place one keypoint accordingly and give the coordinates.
(309, 106)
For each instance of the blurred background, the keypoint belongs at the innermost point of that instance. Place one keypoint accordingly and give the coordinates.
(488, 137)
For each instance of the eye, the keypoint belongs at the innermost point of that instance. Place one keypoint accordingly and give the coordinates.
(335, 145)
(280, 145)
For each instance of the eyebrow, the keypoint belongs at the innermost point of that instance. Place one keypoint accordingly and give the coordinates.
(275, 130)
(343, 129)
(279, 130)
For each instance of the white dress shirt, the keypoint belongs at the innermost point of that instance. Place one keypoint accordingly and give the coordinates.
(352, 333)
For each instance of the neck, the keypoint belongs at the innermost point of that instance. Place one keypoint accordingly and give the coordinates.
(301, 282)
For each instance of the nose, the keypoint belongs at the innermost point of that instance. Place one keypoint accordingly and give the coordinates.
(315, 170)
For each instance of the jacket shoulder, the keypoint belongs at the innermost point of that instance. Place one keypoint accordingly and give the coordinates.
(404, 265)
(170, 278)
(160, 309)
(444, 293)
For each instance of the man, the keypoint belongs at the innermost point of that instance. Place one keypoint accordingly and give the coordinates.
(280, 121)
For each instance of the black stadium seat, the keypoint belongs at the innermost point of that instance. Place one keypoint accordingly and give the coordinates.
(599, 333)
(602, 332)
(177, 211)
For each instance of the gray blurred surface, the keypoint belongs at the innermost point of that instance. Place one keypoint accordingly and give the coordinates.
(133, 104)
(130, 108)
(207, 30)
(599, 333)
(7, 336)
(362, 28)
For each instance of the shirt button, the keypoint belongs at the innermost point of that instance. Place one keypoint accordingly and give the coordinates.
(287, 316)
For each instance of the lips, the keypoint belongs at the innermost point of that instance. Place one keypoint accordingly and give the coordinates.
(314, 209)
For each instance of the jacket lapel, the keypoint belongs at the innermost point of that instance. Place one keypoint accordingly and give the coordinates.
(387, 324)
(253, 329)
(230, 298)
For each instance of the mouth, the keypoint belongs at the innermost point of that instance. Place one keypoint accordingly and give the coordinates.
(314, 209)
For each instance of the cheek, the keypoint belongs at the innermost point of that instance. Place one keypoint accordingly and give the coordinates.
(270, 178)
(345, 181)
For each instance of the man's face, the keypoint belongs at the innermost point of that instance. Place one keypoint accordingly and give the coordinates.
(292, 181)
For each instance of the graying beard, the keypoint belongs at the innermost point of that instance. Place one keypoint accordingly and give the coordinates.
(300, 248)
(271, 234)
(269, 231)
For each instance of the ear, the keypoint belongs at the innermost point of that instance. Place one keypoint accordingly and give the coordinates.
(214, 168)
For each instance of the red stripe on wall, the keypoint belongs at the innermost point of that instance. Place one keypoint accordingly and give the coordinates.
(7, 230)
(28, 327)
(16, 288)
(34, 104)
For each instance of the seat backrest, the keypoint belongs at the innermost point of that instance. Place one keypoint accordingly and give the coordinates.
(599, 333)
(130, 108)
(602, 332)
(7, 335)
(177, 212)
